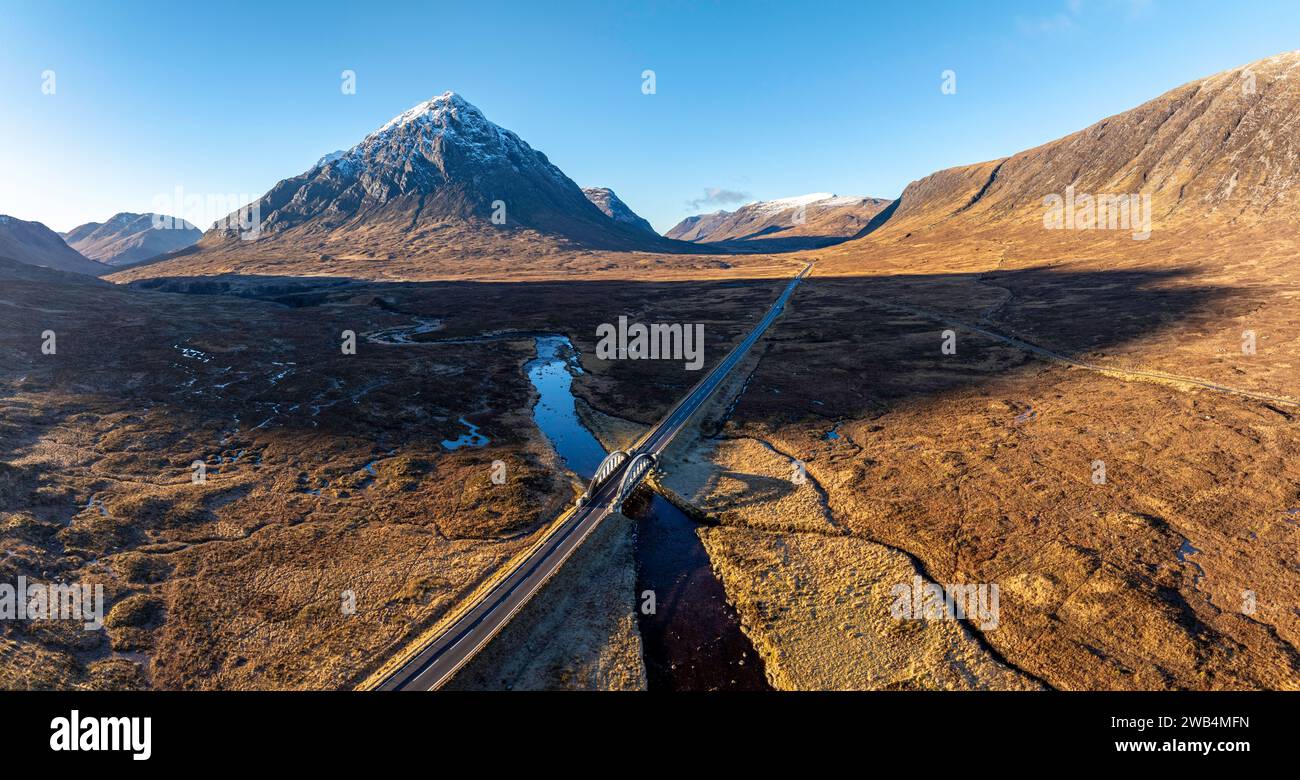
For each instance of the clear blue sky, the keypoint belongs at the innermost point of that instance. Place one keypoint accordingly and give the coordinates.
(768, 99)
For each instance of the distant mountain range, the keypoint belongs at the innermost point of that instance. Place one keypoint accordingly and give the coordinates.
(439, 191)
(803, 222)
(128, 238)
(35, 244)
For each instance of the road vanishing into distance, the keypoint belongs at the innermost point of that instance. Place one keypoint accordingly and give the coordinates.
(434, 664)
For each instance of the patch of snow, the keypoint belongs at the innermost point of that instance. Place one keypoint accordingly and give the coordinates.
(329, 158)
(782, 204)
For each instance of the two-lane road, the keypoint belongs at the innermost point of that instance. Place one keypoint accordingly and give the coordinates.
(435, 664)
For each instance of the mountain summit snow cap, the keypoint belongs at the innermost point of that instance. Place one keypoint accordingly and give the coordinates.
(439, 111)
(447, 118)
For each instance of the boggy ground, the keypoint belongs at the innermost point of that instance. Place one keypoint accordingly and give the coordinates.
(331, 519)
(1179, 570)
(334, 523)
(803, 587)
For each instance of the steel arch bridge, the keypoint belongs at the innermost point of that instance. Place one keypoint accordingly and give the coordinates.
(606, 468)
(636, 469)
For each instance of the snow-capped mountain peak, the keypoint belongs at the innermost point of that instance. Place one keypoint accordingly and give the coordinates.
(440, 163)
(440, 110)
(448, 114)
(442, 126)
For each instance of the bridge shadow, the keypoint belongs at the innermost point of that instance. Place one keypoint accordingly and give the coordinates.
(739, 489)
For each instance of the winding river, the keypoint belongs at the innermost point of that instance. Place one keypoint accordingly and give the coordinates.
(693, 640)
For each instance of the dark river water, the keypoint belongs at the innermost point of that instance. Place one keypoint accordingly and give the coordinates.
(692, 641)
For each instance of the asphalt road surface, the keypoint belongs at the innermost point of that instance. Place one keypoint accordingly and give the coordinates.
(435, 664)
